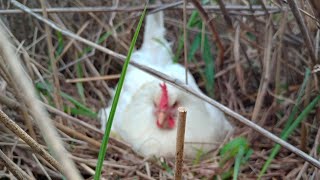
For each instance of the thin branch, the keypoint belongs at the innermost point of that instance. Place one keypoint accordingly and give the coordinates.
(13, 168)
(97, 78)
(106, 9)
(78, 135)
(36, 147)
(265, 80)
(56, 88)
(303, 28)
(73, 119)
(41, 167)
(40, 116)
(215, 34)
(225, 13)
(185, 44)
(179, 84)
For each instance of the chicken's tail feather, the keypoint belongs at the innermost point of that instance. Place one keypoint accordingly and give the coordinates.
(154, 28)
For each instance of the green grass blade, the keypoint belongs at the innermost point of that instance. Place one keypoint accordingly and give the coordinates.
(103, 148)
(237, 164)
(76, 112)
(79, 85)
(237, 149)
(100, 40)
(60, 46)
(195, 45)
(81, 107)
(289, 122)
(286, 134)
(193, 21)
(209, 68)
(298, 101)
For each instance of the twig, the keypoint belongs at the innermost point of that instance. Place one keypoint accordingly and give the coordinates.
(27, 139)
(303, 28)
(39, 114)
(267, 62)
(215, 34)
(9, 102)
(236, 57)
(73, 119)
(144, 176)
(56, 88)
(185, 44)
(179, 84)
(107, 77)
(41, 167)
(78, 135)
(180, 142)
(65, 49)
(106, 9)
(225, 13)
(22, 107)
(264, 8)
(13, 168)
(316, 6)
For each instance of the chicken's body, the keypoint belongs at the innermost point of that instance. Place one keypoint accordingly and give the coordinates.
(136, 115)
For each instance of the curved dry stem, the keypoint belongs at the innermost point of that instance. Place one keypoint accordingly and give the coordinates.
(39, 114)
(10, 124)
(13, 168)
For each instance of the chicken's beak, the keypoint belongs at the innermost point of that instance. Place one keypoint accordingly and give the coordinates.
(161, 118)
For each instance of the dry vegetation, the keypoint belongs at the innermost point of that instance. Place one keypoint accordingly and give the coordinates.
(259, 76)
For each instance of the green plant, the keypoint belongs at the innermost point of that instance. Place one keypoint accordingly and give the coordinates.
(201, 42)
(292, 124)
(79, 109)
(105, 139)
(237, 149)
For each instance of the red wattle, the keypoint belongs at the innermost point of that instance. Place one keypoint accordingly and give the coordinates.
(171, 122)
(159, 125)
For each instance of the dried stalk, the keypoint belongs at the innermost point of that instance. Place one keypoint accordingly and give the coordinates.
(225, 13)
(98, 78)
(78, 135)
(185, 39)
(37, 148)
(215, 34)
(21, 107)
(304, 30)
(13, 168)
(236, 57)
(175, 5)
(41, 167)
(73, 119)
(180, 142)
(56, 88)
(316, 7)
(267, 62)
(39, 114)
(177, 83)
(8, 102)
(281, 32)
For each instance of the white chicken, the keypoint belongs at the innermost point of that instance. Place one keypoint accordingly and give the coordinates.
(147, 111)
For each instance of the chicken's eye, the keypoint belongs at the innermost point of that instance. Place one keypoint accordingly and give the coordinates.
(175, 104)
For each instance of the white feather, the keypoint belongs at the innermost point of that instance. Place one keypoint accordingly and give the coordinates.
(135, 121)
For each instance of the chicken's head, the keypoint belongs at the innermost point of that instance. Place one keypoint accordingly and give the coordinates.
(165, 110)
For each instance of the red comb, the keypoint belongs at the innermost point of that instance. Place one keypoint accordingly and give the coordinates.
(164, 100)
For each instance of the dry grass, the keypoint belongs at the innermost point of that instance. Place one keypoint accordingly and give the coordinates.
(263, 67)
